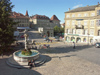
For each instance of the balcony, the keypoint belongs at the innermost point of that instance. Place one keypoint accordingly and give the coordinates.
(79, 26)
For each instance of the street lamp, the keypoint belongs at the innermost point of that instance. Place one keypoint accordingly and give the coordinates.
(88, 38)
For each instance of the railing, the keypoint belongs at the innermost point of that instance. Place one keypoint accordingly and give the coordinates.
(79, 27)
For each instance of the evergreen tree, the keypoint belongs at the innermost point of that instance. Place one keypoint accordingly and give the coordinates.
(6, 24)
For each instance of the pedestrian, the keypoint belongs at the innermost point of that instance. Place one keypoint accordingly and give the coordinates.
(39, 46)
(2, 55)
(30, 64)
(31, 47)
(33, 63)
(48, 46)
(74, 45)
(36, 47)
(51, 41)
(48, 40)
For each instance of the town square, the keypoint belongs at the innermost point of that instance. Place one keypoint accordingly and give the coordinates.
(49, 45)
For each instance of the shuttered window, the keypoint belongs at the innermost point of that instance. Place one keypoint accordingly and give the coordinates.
(98, 12)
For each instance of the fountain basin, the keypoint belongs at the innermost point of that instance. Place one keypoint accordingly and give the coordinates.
(22, 58)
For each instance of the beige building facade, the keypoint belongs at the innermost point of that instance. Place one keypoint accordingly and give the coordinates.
(83, 24)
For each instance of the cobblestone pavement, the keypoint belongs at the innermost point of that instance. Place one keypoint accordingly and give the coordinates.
(59, 64)
(65, 64)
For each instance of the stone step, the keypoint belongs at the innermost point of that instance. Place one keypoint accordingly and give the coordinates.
(16, 66)
(11, 62)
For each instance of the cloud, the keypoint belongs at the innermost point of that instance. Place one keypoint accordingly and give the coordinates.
(79, 5)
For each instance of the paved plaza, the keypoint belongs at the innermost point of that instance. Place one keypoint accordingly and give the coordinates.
(62, 59)
(57, 64)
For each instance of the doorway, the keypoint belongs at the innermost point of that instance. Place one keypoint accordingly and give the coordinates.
(48, 33)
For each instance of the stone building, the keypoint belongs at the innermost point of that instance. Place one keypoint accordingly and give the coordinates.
(82, 24)
(44, 21)
(49, 32)
(22, 19)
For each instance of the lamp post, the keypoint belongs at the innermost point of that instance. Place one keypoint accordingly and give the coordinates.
(88, 38)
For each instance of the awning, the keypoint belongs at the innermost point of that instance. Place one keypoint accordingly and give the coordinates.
(23, 28)
(73, 34)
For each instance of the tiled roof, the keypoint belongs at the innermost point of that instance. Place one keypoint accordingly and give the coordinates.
(17, 15)
(40, 17)
(54, 18)
(87, 8)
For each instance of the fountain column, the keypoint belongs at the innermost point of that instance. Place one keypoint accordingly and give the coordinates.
(25, 35)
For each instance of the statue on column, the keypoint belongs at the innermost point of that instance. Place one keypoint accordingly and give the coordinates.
(26, 36)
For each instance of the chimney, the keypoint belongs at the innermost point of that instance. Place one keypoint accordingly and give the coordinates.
(98, 3)
(69, 9)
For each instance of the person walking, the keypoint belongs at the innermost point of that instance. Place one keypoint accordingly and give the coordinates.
(51, 41)
(36, 47)
(74, 45)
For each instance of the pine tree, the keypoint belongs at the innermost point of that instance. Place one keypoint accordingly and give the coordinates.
(6, 24)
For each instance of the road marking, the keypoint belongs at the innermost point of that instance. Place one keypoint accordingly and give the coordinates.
(41, 43)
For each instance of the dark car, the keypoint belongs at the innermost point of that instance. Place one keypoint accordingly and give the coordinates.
(97, 45)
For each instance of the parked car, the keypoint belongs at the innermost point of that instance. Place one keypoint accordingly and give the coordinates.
(46, 38)
(97, 45)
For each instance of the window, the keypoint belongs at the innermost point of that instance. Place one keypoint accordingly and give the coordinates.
(68, 31)
(78, 31)
(98, 12)
(79, 22)
(86, 31)
(79, 15)
(92, 14)
(85, 22)
(73, 31)
(73, 15)
(68, 23)
(85, 14)
(68, 16)
(98, 22)
(92, 23)
(98, 32)
(73, 22)
(91, 32)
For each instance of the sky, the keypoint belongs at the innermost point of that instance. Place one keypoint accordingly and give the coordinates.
(50, 7)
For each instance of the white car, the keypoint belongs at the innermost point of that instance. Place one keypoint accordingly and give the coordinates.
(57, 38)
(45, 39)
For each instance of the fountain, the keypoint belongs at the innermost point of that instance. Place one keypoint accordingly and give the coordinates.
(20, 59)
(31, 54)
